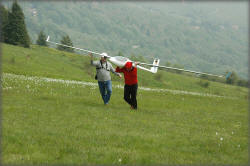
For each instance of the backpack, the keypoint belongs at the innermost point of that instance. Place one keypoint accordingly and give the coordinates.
(98, 68)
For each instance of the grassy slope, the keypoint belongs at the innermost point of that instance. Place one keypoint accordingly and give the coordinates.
(52, 63)
(45, 122)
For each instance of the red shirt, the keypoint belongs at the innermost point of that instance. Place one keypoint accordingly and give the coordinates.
(129, 76)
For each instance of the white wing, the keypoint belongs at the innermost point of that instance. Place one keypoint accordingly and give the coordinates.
(81, 49)
(173, 68)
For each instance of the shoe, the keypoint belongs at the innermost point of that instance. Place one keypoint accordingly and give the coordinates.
(133, 108)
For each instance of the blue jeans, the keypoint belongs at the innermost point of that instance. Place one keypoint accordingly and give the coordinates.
(105, 88)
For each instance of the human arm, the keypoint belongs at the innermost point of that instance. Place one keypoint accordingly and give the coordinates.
(93, 63)
(114, 72)
(118, 69)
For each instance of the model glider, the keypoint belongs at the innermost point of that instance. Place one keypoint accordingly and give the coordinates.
(121, 61)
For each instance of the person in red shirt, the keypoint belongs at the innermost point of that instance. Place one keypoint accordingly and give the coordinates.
(131, 83)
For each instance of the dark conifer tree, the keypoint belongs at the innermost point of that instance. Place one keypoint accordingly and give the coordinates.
(41, 40)
(16, 28)
(4, 21)
(66, 41)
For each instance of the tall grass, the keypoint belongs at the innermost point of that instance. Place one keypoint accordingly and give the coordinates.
(62, 123)
(46, 122)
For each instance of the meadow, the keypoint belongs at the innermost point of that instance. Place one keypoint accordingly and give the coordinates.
(62, 120)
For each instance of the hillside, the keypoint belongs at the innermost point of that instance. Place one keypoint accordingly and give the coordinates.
(49, 62)
(53, 114)
(204, 36)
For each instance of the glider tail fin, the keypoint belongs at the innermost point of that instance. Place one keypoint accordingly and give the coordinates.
(47, 39)
(155, 63)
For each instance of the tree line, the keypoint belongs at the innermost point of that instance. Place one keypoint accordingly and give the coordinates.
(13, 26)
(14, 29)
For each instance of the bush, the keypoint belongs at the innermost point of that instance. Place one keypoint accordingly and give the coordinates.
(231, 78)
(243, 83)
(41, 40)
(158, 76)
(66, 41)
(204, 84)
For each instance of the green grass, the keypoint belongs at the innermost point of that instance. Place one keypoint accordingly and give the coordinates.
(49, 62)
(59, 123)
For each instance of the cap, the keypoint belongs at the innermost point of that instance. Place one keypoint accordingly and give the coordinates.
(104, 55)
(128, 65)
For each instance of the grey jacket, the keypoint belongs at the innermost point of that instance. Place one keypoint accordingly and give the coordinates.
(103, 71)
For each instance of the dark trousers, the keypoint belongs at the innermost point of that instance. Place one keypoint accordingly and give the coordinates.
(130, 92)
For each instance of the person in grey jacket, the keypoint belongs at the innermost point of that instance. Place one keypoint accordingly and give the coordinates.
(103, 68)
